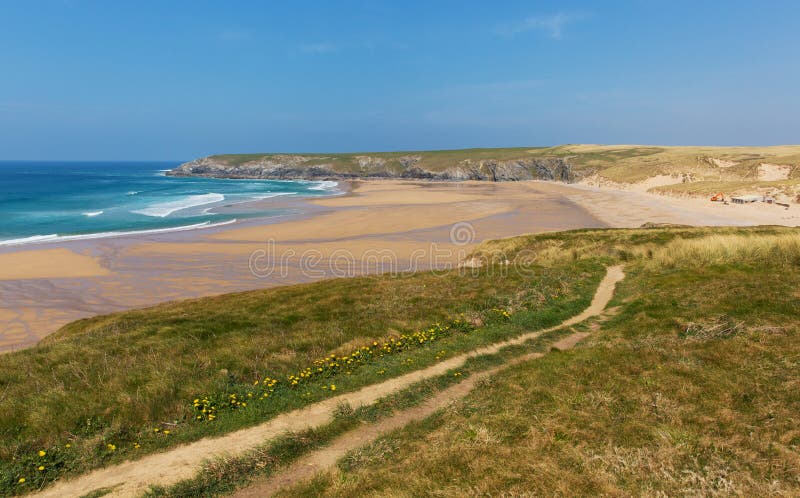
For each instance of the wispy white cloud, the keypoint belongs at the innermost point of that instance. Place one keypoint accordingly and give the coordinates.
(318, 48)
(550, 25)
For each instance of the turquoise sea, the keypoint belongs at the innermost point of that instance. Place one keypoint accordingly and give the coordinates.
(44, 201)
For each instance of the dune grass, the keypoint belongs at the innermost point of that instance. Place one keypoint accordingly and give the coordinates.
(691, 389)
(707, 188)
(767, 250)
(617, 163)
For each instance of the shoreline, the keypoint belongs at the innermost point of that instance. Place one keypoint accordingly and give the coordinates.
(256, 204)
(410, 222)
(750, 213)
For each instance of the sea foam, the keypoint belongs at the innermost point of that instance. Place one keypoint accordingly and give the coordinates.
(325, 185)
(261, 197)
(165, 209)
(29, 240)
(38, 239)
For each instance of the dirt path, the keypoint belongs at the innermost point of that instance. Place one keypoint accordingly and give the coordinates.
(133, 478)
(326, 458)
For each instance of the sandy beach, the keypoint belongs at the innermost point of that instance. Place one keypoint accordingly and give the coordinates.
(375, 226)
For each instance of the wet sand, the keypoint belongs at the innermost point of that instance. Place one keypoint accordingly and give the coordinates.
(377, 226)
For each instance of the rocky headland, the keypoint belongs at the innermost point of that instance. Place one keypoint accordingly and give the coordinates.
(291, 166)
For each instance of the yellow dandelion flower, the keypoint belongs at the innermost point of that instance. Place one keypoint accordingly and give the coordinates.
(21, 480)
(333, 387)
(41, 468)
(42, 453)
(166, 433)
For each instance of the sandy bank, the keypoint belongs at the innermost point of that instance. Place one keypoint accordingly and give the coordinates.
(48, 263)
(632, 205)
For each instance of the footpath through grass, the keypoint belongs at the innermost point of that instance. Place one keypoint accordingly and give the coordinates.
(120, 386)
(691, 389)
(222, 476)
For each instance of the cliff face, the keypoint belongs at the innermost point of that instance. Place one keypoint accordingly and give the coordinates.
(287, 167)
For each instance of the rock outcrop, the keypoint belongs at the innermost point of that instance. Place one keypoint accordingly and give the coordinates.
(289, 166)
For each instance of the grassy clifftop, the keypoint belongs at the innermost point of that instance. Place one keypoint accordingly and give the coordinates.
(690, 390)
(95, 392)
(695, 301)
(673, 170)
(616, 162)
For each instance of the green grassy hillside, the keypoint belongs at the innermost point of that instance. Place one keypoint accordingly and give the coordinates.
(115, 387)
(691, 389)
(104, 385)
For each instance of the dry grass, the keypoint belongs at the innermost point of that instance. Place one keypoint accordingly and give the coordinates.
(112, 379)
(781, 249)
(691, 390)
(617, 163)
(703, 354)
(707, 188)
(661, 245)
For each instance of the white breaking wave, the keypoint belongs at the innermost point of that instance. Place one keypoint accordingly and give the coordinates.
(268, 196)
(28, 240)
(93, 213)
(38, 239)
(165, 209)
(133, 192)
(325, 185)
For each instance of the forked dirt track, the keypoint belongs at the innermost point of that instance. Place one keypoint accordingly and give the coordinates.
(133, 478)
(325, 458)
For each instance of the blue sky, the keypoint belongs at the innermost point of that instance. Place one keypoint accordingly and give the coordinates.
(182, 79)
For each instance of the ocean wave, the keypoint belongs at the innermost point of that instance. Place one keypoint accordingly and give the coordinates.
(165, 209)
(133, 192)
(28, 240)
(92, 214)
(270, 196)
(325, 185)
(39, 239)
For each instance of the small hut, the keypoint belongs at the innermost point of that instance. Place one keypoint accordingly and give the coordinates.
(745, 199)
